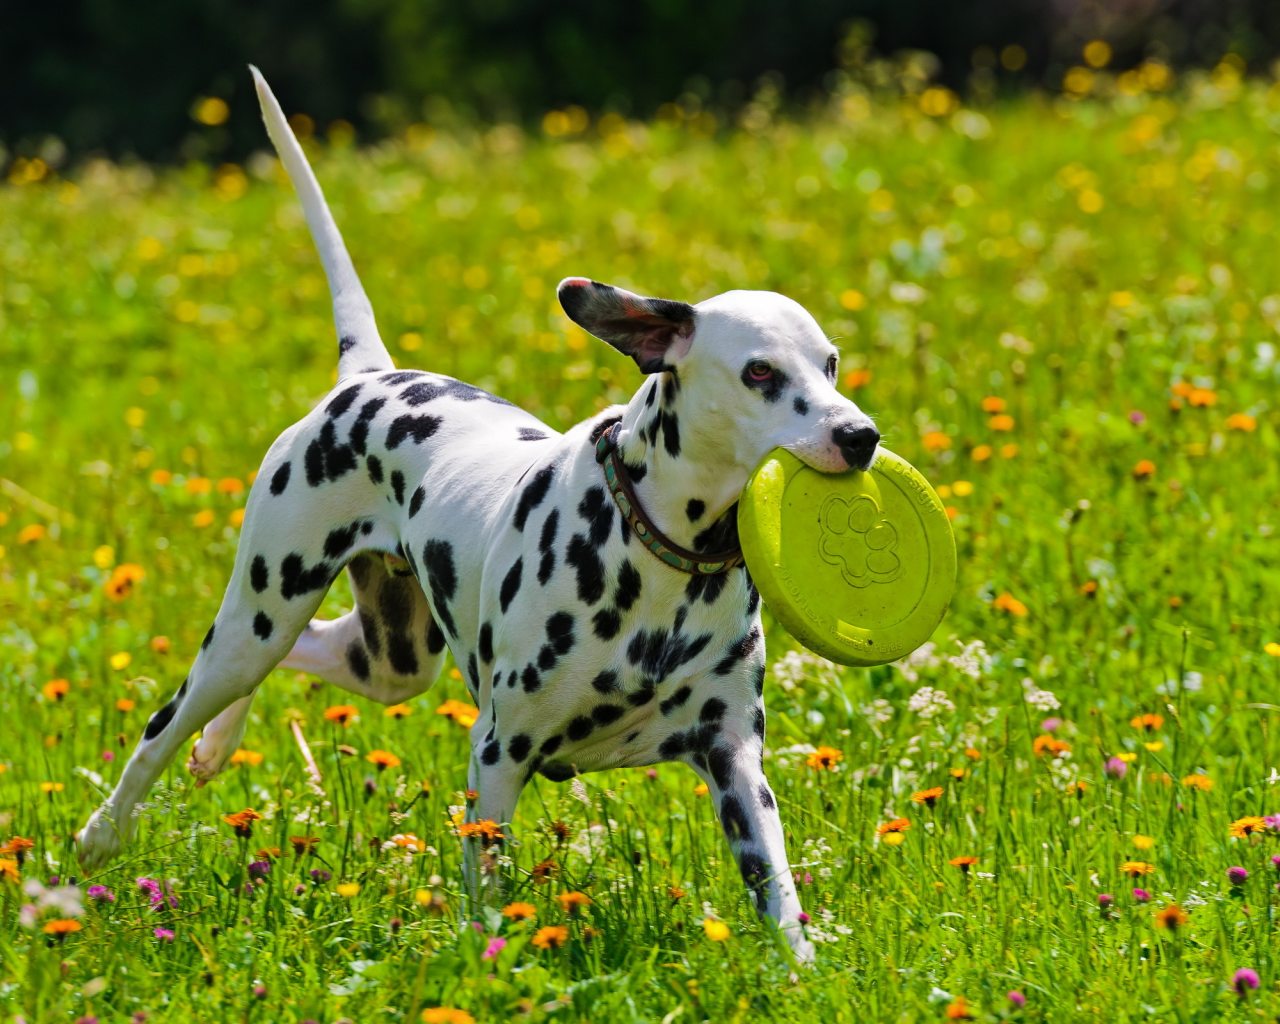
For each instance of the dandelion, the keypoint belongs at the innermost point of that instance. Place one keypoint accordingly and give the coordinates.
(1245, 980)
(242, 821)
(1006, 602)
(31, 534)
(963, 863)
(55, 689)
(1198, 781)
(1137, 868)
(347, 889)
(464, 714)
(62, 927)
(824, 758)
(120, 583)
(701, 789)
(1143, 842)
(343, 714)
(249, 757)
(716, 931)
(1242, 828)
(519, 911)
(1171, 917)
(383, 759)
(551, 937)
(120, 661)
(304, 844)
(1144, 470)
(397, 711)
(928, 797)
(52, 787)
(1272, 649)
(572, 901)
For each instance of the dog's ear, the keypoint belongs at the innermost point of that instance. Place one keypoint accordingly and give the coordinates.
(653, 332)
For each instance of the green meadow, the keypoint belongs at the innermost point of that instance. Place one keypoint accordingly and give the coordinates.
(1062, 309)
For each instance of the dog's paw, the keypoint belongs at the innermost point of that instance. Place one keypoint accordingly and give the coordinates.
(208, 758)
(99, 842)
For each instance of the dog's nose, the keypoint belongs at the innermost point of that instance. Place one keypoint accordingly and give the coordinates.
(857, 443)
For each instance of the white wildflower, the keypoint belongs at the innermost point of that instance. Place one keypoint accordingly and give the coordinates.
(1044, 700)
(928, 702)
(878, 711)
(794, 667)
(578, 790)
(973, 659)
(922, 657)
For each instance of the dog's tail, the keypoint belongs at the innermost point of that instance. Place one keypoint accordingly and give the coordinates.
(360, 348)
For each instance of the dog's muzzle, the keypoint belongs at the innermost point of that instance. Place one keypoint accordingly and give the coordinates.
(857, 443)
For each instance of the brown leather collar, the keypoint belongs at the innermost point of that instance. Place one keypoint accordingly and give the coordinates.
(659, 545)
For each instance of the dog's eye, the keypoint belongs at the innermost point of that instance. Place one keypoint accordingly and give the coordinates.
(759, 370)
(831, 368)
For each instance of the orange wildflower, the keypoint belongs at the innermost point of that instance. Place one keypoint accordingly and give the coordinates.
(1202, 398)
(343, 714)
(890, 827)
(676, 893)
(1003, 422)
(551, 937)
(462, 713)
(545, 870)
(1242, 828)
(1171, 917)
(242, 821)
(1046, 743)
(230, 485)
(958, 773)
(55, 689)
(1137, 868)
(160, 644)
(1242, 421)
(1198, 781)
(928, 797)
(303, 844)
(1089, 588)
(981, 453)
(972, 753)
(1148, 723)
(571, 901)
(446, 1015)
(855, 379)
(824, 758)
(935, 441)
(383, 759)
(249, 757)
(519, 911)
(397, 711)
(62, 927)
(120, 583)
(125, 704)
(485, 829)
(9, 870)
(31, 533)
(959, 1010)
(408, 841)
(1144, 470)
(963, 863)
(198, 485)
(17, 848)
(1006, 602)
(993, 403)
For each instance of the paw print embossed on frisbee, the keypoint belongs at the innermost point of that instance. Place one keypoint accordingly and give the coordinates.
(858, 566)
(860, 540)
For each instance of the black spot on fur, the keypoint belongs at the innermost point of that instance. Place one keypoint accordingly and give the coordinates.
(708, 588)
(435, 638)
(491, 753)
(676, 700)
(639, 698)
(771, 388)
(757, 720)
(518, 748)
(558, 772)
(511, 679)
(607, 714)
(375, 469)
(486, 643)
(597, 508)
(325, 459)
(473, 672)
(397, 485)
(637, 473)
(419, 428)
(597, 431)
(720, 762)
(400, 377)
(734, 819)
(712, 710)
(339, 540)
(590, 569)
(605, 682)
(722, 535)
(758, 674)
(345, 344)
(755, 873)
(671, 433)
(606, 623)
(672, 747)
(280, 479)
(629, 583)
(737, 651)
(358, 661)
(437, 559)
(372, 637)
(208, 639)
(425, 391)
(631, 736)
(297, 579)
(262, 625)
(156, 724)
(766, 797)
(580, 728)
(529, 434)
(415, 501)
(546, 544)
(530, 679)
(510, 584)
(358, 438)
(532, 496)
(800, 406)
(259, 575)
(694, 509)
(551, 745)
(660, 652)
(342, 402)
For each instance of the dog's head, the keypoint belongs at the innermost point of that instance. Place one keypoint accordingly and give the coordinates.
(754, 367)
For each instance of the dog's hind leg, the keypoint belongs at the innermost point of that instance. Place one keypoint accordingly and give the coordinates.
(266, 606)
(389, 648)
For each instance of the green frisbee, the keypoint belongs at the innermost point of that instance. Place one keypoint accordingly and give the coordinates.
(858, 566)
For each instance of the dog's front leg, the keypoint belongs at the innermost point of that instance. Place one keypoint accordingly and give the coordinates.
(748, 811)
(498, 788)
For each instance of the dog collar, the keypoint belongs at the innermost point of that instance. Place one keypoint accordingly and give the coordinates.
(662, 548)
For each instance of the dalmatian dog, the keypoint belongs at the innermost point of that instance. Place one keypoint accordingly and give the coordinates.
(467, 525)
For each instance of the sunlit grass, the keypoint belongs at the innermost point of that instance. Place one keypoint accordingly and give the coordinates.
(1063, 312)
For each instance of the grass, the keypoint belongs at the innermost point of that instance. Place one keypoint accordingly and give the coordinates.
(1032, 301)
